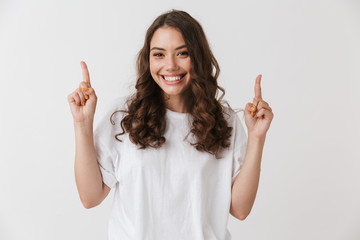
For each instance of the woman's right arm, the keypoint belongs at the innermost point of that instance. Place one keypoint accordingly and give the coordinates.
(82, 101)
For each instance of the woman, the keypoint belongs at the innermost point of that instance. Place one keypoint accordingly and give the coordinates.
(172, 151)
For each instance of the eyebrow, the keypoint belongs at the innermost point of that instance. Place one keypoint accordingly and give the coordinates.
(162, 49)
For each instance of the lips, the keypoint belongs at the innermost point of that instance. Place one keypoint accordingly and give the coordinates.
(173, 78)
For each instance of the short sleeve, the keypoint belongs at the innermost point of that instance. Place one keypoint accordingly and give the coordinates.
(106, 163)
(240, 144)
(106, 146)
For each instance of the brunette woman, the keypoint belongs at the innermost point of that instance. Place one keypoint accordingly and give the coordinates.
(176, 154)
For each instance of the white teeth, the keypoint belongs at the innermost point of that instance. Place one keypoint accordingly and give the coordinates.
(175, 78)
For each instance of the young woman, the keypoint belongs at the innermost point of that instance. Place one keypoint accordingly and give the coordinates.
(172, 150)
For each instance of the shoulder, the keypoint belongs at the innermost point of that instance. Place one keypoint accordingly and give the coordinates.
(235, 119)
(239, 133)
(230, 114)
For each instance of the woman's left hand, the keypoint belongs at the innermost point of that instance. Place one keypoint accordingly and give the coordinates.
(258, 115)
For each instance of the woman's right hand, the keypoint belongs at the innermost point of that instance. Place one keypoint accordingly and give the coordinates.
(83, 100)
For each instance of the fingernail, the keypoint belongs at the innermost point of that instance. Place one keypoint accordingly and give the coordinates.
(84, 89)
(83, 103)
(252, 113)
(255, 116)
(86, 97)
(252, 108)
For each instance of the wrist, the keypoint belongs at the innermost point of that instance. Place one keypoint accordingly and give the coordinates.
(83, 127)
(256, 139)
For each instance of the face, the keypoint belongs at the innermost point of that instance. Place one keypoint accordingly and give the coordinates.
(170, 62)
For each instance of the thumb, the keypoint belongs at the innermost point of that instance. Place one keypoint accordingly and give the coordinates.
(92, 94)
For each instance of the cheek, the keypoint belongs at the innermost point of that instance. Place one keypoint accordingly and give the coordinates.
(154, 66)
(187, 65)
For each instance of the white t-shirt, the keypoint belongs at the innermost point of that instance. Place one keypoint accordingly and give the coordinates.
(173, 192)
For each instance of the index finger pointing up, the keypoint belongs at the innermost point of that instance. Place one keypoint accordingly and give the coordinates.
(258, 87)
(85, 72)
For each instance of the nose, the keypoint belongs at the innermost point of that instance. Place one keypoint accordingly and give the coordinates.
(171, 64)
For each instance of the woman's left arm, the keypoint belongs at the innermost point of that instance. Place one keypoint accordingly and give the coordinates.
(258, 117)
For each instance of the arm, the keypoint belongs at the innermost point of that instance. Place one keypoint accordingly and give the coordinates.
(258, 117)
(92, 190)
(245, 186)
(88, 177)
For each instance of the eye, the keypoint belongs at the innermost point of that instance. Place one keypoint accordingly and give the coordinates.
(184, 53)
(158, 55)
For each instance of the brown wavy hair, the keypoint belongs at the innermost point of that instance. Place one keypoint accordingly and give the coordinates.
(145, 116)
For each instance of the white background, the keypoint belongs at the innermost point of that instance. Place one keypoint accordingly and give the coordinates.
(307, 51)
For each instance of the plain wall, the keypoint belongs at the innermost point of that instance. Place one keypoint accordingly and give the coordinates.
(307, 51)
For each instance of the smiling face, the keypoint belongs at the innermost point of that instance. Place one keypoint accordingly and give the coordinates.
(170, 62)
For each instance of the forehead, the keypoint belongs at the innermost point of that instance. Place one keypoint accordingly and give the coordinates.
(167, 37)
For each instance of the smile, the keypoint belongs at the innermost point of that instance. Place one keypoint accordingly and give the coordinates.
(173, 79)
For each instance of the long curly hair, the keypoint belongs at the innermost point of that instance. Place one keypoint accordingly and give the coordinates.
(144, 120)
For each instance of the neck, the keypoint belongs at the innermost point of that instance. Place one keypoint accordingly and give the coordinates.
(177, 103)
